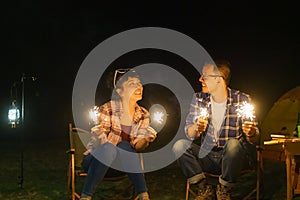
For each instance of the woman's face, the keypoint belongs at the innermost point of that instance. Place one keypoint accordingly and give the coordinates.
(132, 89)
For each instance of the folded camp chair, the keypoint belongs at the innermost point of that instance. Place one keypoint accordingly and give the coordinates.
(75, 170)
(259, 178)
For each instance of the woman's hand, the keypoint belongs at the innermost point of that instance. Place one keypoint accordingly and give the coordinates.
(151, 138)
(140, 144)
(101, 137)
(96, 130)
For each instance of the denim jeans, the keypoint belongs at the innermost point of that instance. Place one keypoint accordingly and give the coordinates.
(97, 170)
(227, 162)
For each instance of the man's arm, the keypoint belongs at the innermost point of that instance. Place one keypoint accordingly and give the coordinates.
(193, 128)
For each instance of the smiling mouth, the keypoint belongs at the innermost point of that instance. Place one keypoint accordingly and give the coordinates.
(138, 92)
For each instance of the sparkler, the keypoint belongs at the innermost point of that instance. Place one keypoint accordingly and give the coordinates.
(158, 117)
(94, 114)
(203, 109)
(203, 114)
(245, 111)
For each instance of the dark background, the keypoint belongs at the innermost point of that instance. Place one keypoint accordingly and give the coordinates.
(50, 40)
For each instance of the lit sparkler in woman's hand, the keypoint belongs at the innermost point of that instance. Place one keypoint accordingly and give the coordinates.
(245, 111)
(94, 114)
(158, 117)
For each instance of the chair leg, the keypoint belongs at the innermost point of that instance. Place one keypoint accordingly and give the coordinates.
(73, 177)
(260, 175)
(187, 190)
(69, 178)
(259, 178)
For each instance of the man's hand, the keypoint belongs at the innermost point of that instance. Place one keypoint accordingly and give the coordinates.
(201, 126)
(249, 128)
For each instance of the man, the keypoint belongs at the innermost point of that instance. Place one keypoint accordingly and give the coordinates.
(221, 142)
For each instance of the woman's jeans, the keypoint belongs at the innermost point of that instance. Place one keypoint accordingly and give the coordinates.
(96, 170)
(227, 162)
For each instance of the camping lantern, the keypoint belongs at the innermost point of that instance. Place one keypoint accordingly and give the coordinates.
(13, 114)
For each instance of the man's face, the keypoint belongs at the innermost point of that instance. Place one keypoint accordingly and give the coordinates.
(209, 79)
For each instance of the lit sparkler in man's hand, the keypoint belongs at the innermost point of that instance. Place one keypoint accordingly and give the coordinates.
(94, 114)
(246, 111)
(201, 120)
(203, 114)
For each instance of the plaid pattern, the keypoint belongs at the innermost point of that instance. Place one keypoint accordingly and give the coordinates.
(232, 124)
(110, 127)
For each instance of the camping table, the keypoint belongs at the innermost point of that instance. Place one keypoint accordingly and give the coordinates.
(291, 147)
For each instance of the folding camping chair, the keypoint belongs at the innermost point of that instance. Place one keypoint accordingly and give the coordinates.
(75, 170)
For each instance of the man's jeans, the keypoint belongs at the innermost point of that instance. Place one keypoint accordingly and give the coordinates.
(96, 170)
(227, 162)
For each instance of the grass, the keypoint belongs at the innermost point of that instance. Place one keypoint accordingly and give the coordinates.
(45, 175)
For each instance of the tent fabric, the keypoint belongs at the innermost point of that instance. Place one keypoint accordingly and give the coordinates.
(284, 113)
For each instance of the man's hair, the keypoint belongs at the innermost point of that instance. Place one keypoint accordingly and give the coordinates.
(224, 68)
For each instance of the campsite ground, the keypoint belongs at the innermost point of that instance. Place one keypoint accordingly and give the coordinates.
(45, 177)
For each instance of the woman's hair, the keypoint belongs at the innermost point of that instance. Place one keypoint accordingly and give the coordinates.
(120, 76)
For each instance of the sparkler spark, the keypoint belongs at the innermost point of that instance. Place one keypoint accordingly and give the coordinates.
(94, 114)
(245, 111)
(203, 114)
(158, 117)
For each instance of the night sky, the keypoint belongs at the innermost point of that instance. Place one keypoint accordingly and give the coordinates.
(51, 39)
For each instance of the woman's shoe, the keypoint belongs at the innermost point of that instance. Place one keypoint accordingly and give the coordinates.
(144, 196)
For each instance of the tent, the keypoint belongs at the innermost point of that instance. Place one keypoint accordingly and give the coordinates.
(284, 113)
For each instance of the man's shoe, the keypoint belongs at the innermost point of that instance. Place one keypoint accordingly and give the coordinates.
(206, 192)
(223, 192)
(85, 197)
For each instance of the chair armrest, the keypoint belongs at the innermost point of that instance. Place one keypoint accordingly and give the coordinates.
(259, 148)
(70, 151)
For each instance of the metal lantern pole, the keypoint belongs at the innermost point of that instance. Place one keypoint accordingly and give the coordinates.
(21, 177)
(13, 116)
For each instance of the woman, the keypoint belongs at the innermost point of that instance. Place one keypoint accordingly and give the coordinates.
(122, 124)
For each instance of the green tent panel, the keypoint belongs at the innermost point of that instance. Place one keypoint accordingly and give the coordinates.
(284, 113)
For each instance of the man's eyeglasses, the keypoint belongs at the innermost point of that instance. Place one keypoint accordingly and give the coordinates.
(204, 77)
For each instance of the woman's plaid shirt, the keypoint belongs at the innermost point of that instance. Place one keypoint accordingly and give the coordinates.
(109, 128)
